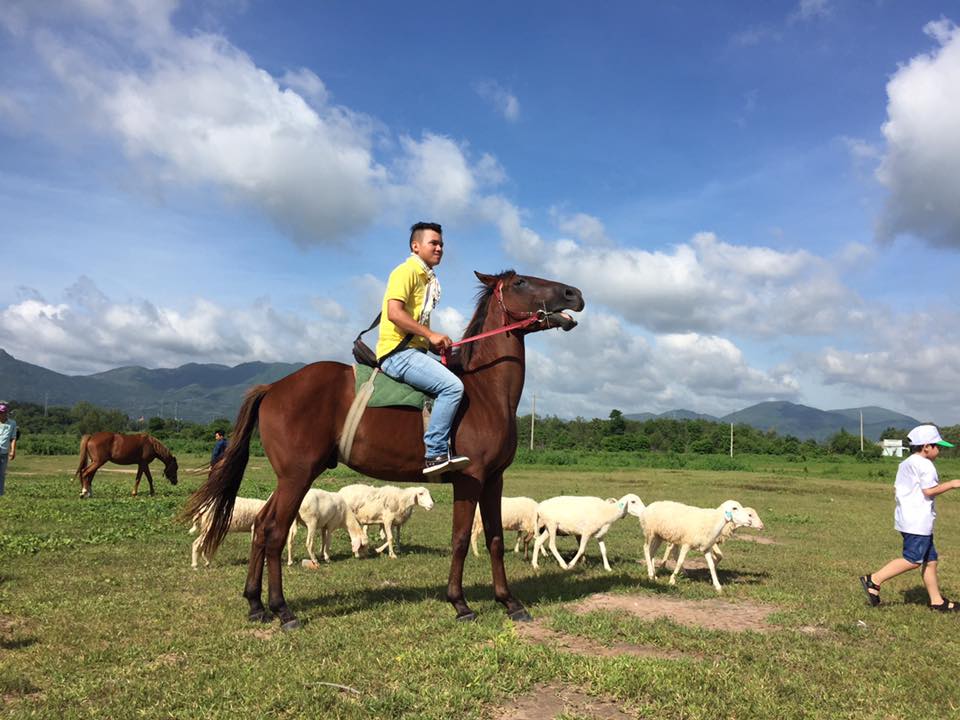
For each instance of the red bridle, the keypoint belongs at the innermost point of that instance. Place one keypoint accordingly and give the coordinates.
(529, 319)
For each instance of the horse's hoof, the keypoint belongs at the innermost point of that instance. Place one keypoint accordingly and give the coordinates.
(260, 616)
(520, 615)
(291, 625)
(468, 616)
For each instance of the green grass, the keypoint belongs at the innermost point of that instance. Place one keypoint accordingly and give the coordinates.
(102, 616)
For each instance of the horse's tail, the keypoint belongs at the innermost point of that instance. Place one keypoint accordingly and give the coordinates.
(83, 455)
(218, 494)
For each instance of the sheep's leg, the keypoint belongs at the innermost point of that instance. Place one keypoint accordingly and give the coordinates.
(474, 534)
(584, 539)
(717, 555)
(466, 493)
(516, 545)
(311, 539)
(713, 570)
(194, 549)
(650, 545)
(388, 529)
(666, 554)
(291, 536)
(684, 549)
(490, 511)
(537, 546)
(326, 544)
(603, 554)
(552, 529)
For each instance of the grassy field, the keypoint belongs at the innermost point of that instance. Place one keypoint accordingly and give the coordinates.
(101, 615)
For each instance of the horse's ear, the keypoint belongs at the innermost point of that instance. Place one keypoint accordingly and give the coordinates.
(487, 280)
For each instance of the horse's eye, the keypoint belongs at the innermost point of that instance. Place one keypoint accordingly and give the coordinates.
(519, 282)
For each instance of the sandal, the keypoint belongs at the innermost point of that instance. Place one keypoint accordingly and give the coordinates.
(945, 606)
(868, 584)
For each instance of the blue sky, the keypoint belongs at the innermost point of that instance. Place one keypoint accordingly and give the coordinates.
(758, 200)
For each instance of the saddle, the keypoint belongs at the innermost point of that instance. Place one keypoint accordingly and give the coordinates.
(375, 389)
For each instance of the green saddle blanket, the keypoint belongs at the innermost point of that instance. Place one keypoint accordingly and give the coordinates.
(387, 391)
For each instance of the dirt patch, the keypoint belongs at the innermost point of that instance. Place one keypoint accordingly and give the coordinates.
(8, 624)
(546, 702)
(536, 632)
(710, 614)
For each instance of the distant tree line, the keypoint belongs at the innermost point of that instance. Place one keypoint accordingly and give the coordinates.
(617, 433)
(56, 430)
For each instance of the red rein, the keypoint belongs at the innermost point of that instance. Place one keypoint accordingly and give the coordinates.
(533, 318)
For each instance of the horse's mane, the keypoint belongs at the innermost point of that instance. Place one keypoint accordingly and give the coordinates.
(162, 452)
(475, 326)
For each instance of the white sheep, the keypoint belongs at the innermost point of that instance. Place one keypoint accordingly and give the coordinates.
(327, 511)
(388, 505)
(584, 516)
(516, 513)
(688, 526)
(755, 522)
(244, 515)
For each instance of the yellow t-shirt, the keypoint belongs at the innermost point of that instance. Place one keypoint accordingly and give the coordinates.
(408, 282)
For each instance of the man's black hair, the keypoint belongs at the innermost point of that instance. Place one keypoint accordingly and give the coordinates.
(417, 227)
(219, 432)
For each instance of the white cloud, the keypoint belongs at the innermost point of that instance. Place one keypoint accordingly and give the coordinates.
(501, 99)
(921, 165)
(585, 228)
(811, 9)
(308, 84)
(90, 332)
(634, 372)
(704, 285)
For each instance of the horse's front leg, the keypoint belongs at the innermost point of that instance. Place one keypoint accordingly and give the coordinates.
(146, 471)
(490, 500)
(466, 491)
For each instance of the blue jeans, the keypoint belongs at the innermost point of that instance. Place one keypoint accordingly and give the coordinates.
(417, 369)
(918, 549)
(4, 457)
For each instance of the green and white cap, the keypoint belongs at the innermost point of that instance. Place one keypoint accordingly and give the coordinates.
(927, 435)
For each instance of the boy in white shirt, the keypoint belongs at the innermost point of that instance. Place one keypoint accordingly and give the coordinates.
(916, 486)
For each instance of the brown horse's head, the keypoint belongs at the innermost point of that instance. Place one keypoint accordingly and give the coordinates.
(170, 470)
(522, 296)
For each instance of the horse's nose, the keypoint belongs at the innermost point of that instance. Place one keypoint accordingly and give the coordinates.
(573, 296)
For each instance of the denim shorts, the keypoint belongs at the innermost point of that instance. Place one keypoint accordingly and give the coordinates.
(918, 549)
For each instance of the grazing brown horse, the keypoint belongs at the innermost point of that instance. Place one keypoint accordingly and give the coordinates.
(302, 415)
(140, 450)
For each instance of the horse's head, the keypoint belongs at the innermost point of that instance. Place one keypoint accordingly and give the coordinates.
(170, 470)
(524, 296)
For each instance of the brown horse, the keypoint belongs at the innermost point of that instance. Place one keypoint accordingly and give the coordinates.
(140, 450)
(302, 415)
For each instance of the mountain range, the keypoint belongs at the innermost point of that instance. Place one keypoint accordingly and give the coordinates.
(801, 421)
(202, 392)
(195, 392)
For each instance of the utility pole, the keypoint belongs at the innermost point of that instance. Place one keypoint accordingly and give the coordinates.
(861, 431)
(533, 418)
(46, 395)
(731, 439)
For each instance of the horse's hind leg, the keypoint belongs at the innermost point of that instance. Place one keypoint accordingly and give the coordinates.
(86, 478)
(272, 528)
